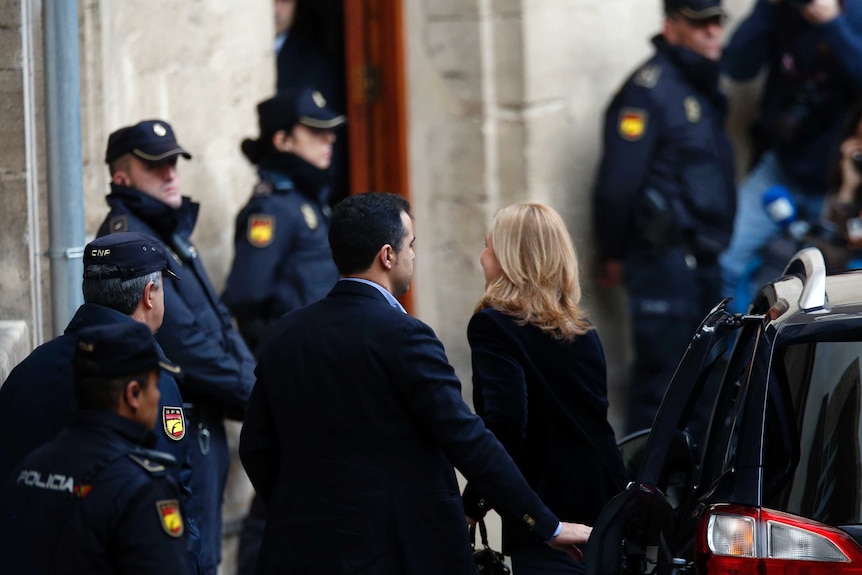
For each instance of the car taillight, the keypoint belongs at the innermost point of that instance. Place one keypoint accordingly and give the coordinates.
(736, 539)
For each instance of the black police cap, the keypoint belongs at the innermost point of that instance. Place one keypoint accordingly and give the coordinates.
(124, 255)
(117, 350)
(304, 106)
(695, 9)
(150, 140)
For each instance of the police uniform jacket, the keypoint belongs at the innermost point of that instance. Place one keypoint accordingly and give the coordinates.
(814, 75)
(93, 501)
(352, 432)
(546, 401)
(282, 260)
(218, 369)
(665, 144)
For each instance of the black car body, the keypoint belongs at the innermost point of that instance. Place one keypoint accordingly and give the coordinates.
(754, 461)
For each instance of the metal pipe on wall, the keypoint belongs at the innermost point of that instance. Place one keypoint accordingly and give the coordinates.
(65, 166)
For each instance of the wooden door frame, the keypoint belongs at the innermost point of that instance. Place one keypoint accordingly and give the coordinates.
(376, 98)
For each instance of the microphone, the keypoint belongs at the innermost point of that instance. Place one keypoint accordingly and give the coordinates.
(781, 209)
(779, 205)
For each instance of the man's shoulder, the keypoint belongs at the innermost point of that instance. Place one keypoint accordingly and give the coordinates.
(45, 358)
(651, 80)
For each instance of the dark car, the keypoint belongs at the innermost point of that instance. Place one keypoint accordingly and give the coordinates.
(754, 462)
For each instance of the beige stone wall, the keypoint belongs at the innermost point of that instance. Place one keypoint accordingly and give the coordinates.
(23, 273)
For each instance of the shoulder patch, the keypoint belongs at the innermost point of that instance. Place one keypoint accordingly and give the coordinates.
(262, 188)
(310, 216)
(173, 422)
(118, 224)
(647, 77)
(261, 230)
(149, 465)
(632, 123)
(171, 517)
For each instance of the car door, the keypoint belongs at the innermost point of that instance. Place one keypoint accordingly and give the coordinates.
(647, 527)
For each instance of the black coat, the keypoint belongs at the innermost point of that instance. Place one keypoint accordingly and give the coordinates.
(197, 333)
(92, 500)
(353, 428)
(547, 403)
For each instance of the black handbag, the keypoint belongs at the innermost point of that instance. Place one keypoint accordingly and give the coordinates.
(488, 561)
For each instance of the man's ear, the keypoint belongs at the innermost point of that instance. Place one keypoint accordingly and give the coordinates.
(132, 394)
(147, 297)
(121, 177)
(387, 256)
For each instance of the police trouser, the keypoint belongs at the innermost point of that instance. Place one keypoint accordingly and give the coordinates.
(210, 463)
(670, 291)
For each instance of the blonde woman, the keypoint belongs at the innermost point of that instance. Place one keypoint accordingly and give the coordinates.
(539, 380)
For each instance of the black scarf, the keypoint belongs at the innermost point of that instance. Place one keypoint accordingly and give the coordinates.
(309, 179)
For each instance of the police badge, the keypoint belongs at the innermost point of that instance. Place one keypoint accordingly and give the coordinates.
(173, 422)
(170, 517)
(310, 216)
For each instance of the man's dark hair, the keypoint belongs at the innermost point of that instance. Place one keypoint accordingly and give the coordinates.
(102, 394)
(362, 224)
(117, 294)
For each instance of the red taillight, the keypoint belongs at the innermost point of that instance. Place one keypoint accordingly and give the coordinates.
(740, 540)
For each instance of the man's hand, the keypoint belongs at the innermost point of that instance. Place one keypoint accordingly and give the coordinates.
(820, 12)
(470, 521)
(570, 535)
(611, 274)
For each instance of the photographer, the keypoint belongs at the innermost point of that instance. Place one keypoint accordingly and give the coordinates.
(812, 51)
(844, 203)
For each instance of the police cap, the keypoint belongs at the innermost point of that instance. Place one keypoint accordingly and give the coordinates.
(304, 106)
(694, 9)
(150, 140)
(124, 255)
(117, 350)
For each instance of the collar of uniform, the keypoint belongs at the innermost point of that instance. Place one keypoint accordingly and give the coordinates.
(160, 216)
(700, 71)
(93, 314)
(280, 181)
(112, 422)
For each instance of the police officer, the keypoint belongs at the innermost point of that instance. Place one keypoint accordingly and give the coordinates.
(282, 260)
(197, 332)
(122, 284)
(665, 198)
(96, 499)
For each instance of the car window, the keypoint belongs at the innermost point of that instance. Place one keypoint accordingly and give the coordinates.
(812, 461)
(723, 432)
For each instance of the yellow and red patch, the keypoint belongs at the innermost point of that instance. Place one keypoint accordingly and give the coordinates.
(173, 422)
(170, 517)
(261, 229)
(632, 124)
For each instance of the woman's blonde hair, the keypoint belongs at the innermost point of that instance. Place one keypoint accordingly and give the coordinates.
(539, 284)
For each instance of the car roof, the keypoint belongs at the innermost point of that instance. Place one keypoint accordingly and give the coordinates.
(787, 302)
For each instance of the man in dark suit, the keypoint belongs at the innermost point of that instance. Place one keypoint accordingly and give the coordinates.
(356, 421)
